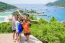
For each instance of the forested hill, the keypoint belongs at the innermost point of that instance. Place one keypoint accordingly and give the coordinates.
(60, 3)
(5, 6)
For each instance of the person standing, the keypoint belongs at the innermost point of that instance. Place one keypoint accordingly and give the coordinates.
(19, 30)
(26, 25)
(13, 26)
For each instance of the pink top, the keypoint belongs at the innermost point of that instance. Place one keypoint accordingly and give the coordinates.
(13, 23)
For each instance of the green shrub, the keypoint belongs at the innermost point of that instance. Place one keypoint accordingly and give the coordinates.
(5, 27)
(52, 32)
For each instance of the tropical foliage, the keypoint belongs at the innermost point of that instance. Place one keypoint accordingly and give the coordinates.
(5, 27)
(51, 32)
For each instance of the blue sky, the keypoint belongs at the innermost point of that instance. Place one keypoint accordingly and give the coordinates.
(27, 1)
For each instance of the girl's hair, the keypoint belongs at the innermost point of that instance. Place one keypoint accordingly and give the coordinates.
(20, 18)
(27, 18)
(15, 13)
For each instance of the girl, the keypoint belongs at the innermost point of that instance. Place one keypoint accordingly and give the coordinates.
(26, 29)
(13, 27)
(19, 29)
(14, 17)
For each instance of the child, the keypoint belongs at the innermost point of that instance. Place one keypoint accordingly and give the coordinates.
(19, 29)
(26, 29)
(13, 26)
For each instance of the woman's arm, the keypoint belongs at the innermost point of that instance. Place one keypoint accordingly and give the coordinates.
(16, 25)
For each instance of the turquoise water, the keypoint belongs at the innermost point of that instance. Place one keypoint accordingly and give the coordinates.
(50, 11)
(4, 15)
(1, 19)
(57, 12)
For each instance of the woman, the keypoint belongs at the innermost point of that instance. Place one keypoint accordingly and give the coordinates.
(13, 26)
(26, 24)
(19, 29)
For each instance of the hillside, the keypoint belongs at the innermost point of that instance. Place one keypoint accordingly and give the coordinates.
(5, 6)
(60, 3)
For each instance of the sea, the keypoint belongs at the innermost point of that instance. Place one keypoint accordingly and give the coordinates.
(49, 11)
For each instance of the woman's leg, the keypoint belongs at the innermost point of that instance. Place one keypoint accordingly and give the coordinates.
(14, 35)
(27, 38)
(20, 36)
(17, 38)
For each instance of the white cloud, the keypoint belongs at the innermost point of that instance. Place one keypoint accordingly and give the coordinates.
(27, 1)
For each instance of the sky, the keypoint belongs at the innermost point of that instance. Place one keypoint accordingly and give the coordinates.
(27, 1)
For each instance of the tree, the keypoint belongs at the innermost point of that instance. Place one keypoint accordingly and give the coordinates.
(53, 19)
(42, 21)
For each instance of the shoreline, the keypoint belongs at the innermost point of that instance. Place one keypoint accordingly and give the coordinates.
(6, 18)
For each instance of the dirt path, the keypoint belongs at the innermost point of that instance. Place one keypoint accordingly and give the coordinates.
(7, 38)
